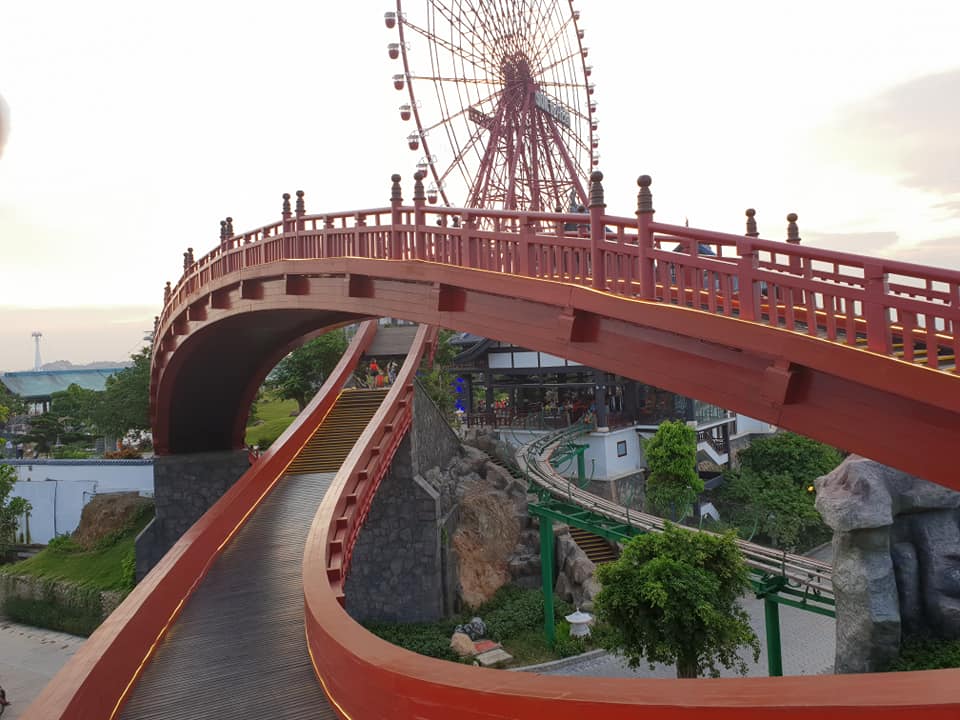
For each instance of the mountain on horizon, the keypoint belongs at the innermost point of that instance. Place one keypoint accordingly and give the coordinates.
(98, 365)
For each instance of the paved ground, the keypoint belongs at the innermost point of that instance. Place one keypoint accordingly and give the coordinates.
(807, 639)
(29, 657)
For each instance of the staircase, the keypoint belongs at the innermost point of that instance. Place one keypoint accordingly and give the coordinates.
(595, 547)
(333, 440)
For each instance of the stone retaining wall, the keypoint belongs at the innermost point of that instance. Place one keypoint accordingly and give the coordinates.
(28, 587)
(185, 487)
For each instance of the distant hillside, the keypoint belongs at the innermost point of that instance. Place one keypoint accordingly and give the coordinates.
(67, 365)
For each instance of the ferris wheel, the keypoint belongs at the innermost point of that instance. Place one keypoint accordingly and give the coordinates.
(499, 103)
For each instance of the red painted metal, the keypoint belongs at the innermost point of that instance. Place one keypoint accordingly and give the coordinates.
(502, 107)
(94, 682)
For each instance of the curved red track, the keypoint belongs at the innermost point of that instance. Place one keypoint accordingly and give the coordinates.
(619, 301)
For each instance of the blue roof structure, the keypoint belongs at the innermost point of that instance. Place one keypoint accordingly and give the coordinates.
(31, 384)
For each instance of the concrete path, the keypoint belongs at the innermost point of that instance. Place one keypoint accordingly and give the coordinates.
(29, 658)
(808, 643)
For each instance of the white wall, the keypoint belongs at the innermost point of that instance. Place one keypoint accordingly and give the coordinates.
(746, 425)
(600, 458)
(58, 489)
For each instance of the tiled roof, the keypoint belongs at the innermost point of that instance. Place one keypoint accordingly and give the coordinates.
(43, 383)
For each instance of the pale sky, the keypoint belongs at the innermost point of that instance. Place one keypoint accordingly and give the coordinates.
(134, 128)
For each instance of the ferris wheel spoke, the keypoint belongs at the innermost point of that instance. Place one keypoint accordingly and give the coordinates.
(478, 60)
(475, 60)
(558, 62)
(543, 41)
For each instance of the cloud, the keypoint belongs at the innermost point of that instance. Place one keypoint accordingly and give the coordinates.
(910, 131)
(941, 252)
(866, 243)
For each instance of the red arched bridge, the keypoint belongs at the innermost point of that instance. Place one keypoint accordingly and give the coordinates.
(856, 351)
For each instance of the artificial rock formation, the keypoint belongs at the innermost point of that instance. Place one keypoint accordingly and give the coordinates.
(896, 571)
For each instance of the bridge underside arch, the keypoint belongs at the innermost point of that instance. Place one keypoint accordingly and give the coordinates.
(201, 398)
(891, 411)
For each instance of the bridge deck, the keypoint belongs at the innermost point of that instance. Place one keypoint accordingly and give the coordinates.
(238, 648)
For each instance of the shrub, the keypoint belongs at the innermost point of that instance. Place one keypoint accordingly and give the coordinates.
(566, 645)
(514, 610)
(927, 655)
(124, 453)
(430, 639)
(74, 609)
(62, 544)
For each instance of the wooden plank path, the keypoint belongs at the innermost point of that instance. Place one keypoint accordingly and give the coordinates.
(238, 648)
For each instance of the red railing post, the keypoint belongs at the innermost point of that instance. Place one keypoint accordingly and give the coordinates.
(875, 311)
(419, 217)
(469, 225)
(523, 246)
(597, 232)
(793, 237)
(327, 242)
(645, 238)
(301, 210)
(396, 200)
(748, 288)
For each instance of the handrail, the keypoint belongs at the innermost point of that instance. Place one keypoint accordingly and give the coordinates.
(96, 680)
(369, 460)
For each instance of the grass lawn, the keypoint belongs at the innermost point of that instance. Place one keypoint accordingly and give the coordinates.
(275, 416)
(100, 568)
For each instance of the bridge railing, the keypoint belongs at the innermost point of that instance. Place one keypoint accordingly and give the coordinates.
(892, 308)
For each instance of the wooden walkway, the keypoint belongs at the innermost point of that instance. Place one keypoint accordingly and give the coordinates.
(238, 648)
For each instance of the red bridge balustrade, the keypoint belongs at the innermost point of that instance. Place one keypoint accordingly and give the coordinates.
(821, 342)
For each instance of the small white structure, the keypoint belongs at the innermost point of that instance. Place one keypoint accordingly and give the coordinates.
(579, 623)
(58, 489)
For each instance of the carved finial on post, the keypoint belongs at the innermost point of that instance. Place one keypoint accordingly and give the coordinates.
(156, 324)
(166, 292)
(286, 205)
(229, 228)
(190, 256)
(186, 261)
(751, 223)
(396, 192)
(223, 231)
(418, 194)
(301, 204)
(793, 232)
(644, 197)
(596, 189)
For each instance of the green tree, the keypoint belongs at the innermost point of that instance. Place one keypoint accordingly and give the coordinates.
(672, 481)
(11, 509)
(673, 597)
(437, 380)
(301, 373)
(76, 407)
(125, 403)
(795, 456)
(772, 492)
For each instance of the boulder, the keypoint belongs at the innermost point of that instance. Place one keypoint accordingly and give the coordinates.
(896, 549)
(462, 645)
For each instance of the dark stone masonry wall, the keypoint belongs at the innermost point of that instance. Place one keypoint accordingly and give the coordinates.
(402, 569)
(185, 487)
